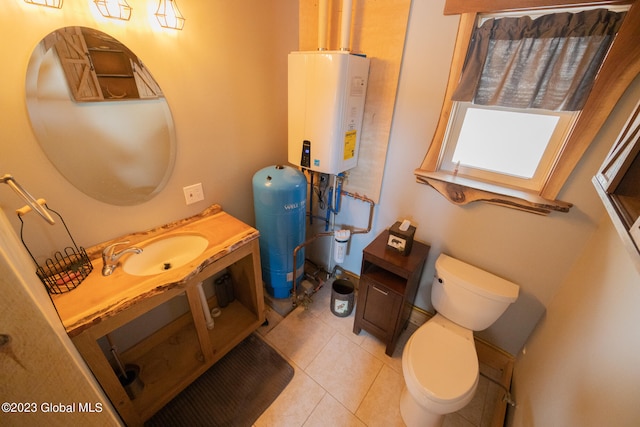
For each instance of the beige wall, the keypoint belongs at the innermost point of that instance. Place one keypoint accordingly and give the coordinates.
(581, 365)
(224, 77)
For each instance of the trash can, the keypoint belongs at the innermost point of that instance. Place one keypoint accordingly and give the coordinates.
(342, 297)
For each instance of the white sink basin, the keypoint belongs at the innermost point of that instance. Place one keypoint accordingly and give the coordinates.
(165, 254)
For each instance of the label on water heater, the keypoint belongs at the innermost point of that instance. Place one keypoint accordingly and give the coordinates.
(349, 144)
(358, 86)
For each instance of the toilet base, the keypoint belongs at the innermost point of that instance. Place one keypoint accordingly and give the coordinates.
(415, 415)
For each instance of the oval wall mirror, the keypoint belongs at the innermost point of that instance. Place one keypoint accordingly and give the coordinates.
(99, 116)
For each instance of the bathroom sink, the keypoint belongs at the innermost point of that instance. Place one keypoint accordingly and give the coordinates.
(165, 254)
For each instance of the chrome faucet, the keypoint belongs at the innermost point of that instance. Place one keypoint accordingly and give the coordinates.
(110, 257)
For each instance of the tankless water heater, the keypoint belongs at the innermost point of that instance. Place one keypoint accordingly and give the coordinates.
(327, 91)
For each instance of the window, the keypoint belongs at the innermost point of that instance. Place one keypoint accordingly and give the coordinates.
(514, 147)
(514, 139)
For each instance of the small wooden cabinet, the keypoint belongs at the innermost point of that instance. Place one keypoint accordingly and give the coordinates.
(388, 285)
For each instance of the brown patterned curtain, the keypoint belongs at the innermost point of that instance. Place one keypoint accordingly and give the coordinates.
(548, 63)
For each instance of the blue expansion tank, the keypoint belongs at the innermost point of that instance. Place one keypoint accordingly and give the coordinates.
(279, 201)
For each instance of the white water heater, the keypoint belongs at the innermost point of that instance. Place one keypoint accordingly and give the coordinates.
(327, 91)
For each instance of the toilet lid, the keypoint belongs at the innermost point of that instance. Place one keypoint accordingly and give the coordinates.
(443, 363)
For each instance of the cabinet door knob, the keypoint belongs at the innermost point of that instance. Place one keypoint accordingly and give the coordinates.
(380, 290)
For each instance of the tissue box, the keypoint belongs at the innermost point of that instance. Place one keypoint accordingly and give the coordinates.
(400, 241)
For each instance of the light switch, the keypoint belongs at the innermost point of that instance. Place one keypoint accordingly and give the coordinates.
(193, 193)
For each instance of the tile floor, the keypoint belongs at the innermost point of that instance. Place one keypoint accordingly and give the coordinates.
(343, 379)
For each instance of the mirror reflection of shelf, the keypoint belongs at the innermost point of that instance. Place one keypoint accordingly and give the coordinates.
(142, 132)
(98, 67)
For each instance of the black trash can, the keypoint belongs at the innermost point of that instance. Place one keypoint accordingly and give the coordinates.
(342, 297)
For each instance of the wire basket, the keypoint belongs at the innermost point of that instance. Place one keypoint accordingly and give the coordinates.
(67, 268)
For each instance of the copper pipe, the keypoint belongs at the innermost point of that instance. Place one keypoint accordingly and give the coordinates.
(372, 204)
(294, 295)
(356, 196)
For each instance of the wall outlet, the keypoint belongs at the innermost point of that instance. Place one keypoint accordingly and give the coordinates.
(193, 193)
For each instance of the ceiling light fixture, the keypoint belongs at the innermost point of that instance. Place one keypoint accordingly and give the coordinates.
(116, 9)
(57, 4)
(169, 15)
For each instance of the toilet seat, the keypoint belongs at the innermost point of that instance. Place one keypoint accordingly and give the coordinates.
(440, 363)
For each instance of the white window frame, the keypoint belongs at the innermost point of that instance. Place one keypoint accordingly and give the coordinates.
(545, 165)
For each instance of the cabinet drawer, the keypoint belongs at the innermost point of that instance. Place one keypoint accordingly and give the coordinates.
(381, 306)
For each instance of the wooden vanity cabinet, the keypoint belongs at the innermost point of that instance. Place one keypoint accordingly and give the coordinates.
(179, 352)
(388, 285)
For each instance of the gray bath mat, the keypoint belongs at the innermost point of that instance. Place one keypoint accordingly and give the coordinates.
(233, 392)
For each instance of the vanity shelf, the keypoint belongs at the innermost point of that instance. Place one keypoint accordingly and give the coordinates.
(176, 354)
(172, 358)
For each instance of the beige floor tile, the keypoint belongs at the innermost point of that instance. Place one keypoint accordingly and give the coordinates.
(300, 336)
(456, 420)
(381, 405)
(343, 325)
(320, 300)
(473, 411)
(376, 347)
(344, 379)
(492, 399)
(295, 403)
(345, 370)
(272, 318)
(321, 307)
(330, 412)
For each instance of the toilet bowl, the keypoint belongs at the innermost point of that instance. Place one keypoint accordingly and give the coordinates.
(439, 361)
(440, 367)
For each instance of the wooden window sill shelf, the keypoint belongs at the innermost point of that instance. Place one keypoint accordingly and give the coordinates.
(461, 191)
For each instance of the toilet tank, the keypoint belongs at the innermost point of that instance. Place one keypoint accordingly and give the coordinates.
(469, 296)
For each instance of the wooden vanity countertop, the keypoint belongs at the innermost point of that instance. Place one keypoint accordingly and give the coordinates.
(99, 297)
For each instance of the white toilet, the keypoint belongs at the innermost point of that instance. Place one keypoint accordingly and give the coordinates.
(439, 362)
